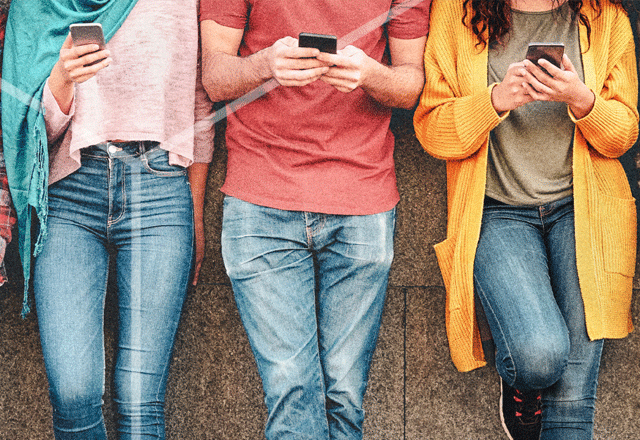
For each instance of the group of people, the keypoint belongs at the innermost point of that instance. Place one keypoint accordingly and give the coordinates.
(107, 152)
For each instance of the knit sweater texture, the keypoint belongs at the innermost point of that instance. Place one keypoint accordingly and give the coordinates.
(453, 122)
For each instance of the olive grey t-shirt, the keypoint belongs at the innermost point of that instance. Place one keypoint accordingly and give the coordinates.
(530, 152)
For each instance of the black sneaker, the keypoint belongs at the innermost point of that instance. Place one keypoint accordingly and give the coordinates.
(521, 413)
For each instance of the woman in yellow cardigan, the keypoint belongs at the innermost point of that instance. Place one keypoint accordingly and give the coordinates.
(541, 222)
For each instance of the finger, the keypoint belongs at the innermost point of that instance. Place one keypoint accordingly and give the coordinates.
(68, 42)
(288, 41)
(535, 72)
(539, 86)
(348, 51)
(550, 67)
(87, 65)
(342, 74)
(303, 64)
(80, 51)
(94, 57)
(335, 59)
(533, 93)
(568, 65)
(340, 84)
(301, 78)
(86, 72)
(300, 52)
(196, 273)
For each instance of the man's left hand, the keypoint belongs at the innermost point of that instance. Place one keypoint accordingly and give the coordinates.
(349, 68)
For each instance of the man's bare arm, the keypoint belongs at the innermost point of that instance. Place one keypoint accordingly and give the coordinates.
(227, 76)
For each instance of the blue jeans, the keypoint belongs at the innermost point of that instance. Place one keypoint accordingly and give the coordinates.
(310, 290)
(140, 207)
(526, 277)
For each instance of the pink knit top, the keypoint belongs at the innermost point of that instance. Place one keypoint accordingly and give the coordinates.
(150, 92)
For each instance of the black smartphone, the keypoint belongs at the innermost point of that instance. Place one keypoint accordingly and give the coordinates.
(324, 43)
(87, 33)
(551, 52)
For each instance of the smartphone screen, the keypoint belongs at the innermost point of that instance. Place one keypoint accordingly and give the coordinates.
(324, 43)
(551, 52)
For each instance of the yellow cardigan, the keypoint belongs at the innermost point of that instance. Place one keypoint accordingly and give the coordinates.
(453, 121)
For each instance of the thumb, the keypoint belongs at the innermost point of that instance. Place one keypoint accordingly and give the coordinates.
(68, 42)
(567, 64)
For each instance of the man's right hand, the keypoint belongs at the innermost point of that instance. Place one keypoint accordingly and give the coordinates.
(295, 66)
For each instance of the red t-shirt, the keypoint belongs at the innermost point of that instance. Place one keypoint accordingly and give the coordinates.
(314, 148)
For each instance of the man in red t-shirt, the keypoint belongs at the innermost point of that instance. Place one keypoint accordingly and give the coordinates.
(309, 217)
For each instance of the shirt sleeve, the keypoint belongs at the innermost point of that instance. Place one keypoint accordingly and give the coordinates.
(229, 13)
(409, 19)
(55, 120)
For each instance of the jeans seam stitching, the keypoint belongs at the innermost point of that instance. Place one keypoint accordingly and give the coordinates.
(481, 292)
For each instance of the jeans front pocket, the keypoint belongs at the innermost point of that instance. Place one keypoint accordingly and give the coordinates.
(156, 161)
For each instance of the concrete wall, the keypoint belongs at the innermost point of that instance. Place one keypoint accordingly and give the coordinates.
(414, 393)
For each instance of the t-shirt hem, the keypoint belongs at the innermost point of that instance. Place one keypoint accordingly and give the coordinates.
(330, 209)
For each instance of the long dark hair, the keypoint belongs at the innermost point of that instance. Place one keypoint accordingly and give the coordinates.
(494, 16)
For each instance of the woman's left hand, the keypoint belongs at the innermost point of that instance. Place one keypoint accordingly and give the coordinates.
(560, 85)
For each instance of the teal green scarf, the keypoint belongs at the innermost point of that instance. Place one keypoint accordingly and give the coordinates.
(35, 32)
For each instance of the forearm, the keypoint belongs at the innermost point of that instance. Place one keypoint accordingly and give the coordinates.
(198, 180)
(454, 128)
(226, 77)
(56, 121)
(394, 86)
(61, 88)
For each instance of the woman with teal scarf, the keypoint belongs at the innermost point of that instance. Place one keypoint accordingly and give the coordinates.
(112, 160)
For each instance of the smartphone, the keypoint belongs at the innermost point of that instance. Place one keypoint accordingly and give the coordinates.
(551, 52)
(325, 43)
(87, 33)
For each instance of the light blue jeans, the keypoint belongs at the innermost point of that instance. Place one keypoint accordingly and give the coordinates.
(526, 277)
(140, 207)
(310, 290)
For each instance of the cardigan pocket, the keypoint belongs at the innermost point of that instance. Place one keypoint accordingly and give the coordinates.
(617, 218)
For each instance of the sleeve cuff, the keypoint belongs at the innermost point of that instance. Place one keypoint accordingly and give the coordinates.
(55, 117)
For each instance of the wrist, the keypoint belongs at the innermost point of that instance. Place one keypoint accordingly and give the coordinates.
(62, 88)
(496, 101)
(263, 63)
(582, 105)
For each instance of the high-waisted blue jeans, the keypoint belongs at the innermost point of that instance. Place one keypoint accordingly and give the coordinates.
(140, 207)
(310, 290)
(526, 277)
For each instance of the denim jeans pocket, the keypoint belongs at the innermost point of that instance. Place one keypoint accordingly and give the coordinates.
(156, 162)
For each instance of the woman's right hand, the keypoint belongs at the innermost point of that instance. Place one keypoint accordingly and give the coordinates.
(73, 67)
(511, 93)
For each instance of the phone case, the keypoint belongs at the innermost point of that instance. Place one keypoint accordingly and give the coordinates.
(87, 33)
(325, 43)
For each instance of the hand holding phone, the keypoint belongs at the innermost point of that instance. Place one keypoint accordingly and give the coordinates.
(88, 33)
(551, 52)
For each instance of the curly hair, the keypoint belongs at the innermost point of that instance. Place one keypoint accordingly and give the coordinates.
(494, 17)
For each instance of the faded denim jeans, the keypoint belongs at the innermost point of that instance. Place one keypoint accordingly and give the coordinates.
(139, 206)
(310, 290)
(526, 277)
